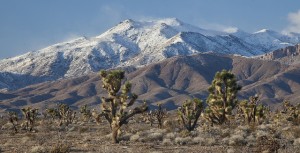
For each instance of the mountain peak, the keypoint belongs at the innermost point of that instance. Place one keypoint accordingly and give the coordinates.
(138, 43)
(170, 21)
(167, 21)
(239, 33)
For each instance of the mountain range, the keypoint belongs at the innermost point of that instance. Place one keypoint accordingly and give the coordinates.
(166, 60)
(133, 43)
(170, 82)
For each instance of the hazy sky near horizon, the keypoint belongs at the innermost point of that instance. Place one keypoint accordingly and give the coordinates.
(33, 24)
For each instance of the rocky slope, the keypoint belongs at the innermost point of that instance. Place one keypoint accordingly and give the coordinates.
(170, 81)
(288, 55)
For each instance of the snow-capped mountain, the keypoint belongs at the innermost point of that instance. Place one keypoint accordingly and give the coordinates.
(135, 43)
(267, 40)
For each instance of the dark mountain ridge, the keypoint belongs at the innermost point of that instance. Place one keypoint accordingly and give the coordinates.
(170, 81)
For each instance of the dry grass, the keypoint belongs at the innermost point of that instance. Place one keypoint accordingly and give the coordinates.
(60, 148)
(140, 137)
(38, 149)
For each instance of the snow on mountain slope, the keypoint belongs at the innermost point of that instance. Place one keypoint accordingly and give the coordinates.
(133, 43)
(268, 40)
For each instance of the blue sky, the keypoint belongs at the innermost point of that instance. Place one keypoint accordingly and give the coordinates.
(34, 24)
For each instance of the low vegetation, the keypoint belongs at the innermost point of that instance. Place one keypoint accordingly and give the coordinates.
(226, 124)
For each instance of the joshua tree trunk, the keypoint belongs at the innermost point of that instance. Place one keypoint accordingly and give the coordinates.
(115, 130)
(15, 128)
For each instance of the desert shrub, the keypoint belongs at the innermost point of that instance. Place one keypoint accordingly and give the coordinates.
(167, 142)
(7, 126)
(296, 131)
(210, 141)
(172, 125)
(170, 136)
(38, 149)
(151, 135)
(156, 136)
(266, 143)
(82, 129)
(125, 137)
(237, 140)
(60, 148)
(251, 140)
(296, 142)
(225, 132)
(183, 141)
(198, 140)
(134, 137)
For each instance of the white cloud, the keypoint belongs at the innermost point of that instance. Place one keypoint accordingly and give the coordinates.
(230, 29)
(216, 26)
(294, 22)
(70, 36)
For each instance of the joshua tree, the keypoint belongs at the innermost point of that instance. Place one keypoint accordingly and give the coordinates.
(66, 114)
(291, 112)
(30, 115)
(63, 112)
(114, 107)
(96, 116)
(251, 110)
(160, 114)
(13, 119)
(222, 97)
(190, 112)
(86, 113)
(149, 117)
(53, 112)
